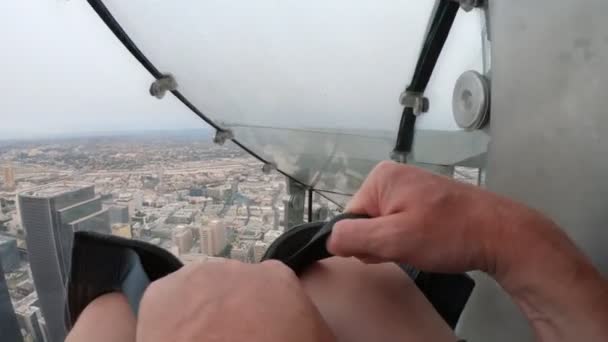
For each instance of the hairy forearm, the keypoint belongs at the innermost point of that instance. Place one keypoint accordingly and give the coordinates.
(560, 292)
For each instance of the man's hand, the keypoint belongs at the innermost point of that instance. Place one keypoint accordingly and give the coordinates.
(426, 220)
(440, 225)
(230, 301)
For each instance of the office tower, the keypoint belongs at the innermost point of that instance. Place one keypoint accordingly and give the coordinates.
(9, 256)
(213, 238)
(9, 327)
(133, 201)
(8, 173)
(118, 213)
(182, 239)
(30, 319)
(259, 248)
(293, 211)
(50, 215)
(242, 251)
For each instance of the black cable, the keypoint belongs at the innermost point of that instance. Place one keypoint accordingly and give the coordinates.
(431, 50)
(107, 17)
(310, 191)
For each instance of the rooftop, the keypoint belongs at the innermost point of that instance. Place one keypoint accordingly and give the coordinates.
(5, 239)
(80, 220)
(54, 189)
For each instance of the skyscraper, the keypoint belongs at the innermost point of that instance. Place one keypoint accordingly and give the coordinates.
(9, 327)
(243, 251)
(50, 215)
(9, 177)
(118, 213)
(259, 248)
(213, 238)
(9, 257)
(30, 319)
(182, 239)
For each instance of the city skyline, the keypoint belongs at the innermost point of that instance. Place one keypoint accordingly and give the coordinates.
(175, 190)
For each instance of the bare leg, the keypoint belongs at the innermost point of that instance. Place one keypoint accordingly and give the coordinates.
(372, 303)
(107, 318)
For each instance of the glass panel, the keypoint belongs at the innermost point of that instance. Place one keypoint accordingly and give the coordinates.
(310, 86)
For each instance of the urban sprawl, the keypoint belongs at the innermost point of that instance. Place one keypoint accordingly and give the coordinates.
(179, 191)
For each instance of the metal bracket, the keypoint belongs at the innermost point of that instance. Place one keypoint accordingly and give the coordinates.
(221, 135)
(162, 85)
(268, 168)
(469, 5)
(294, 204)
(414, 100)
(399, 157)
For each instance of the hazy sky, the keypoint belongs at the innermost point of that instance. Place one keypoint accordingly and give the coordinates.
(319, 63)
(64, 71)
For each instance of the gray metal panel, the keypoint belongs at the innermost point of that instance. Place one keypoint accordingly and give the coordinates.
(549, 133)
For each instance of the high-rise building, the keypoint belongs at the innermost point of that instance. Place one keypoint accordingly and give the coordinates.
(242, 251)
(213, 238)
(132, 200)
(30, 319)
(118, 213)
(182, 239)
(9, 256)
(50, 215)
(259, 248)
(8, 173)
(9, 327)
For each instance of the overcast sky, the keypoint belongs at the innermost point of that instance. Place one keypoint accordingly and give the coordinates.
(64, 71)
(319, 63)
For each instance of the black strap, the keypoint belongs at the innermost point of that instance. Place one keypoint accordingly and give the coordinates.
(103, 263)
(302, 246)
(433, 45)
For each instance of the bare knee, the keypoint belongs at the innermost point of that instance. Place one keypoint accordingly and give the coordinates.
(363, 302)
(107, 318)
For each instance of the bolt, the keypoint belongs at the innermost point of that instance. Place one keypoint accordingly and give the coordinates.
(159, 87)
(221, 135)
(399, 157)
(416, 101)
(267, 168)
(469, 5)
